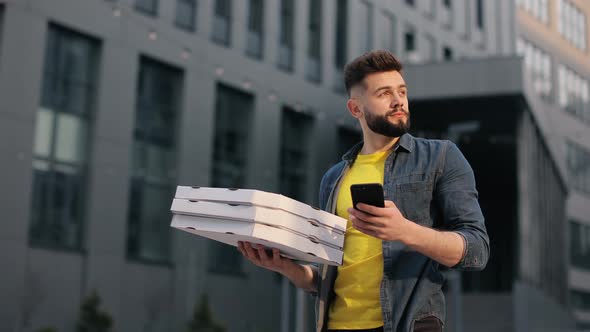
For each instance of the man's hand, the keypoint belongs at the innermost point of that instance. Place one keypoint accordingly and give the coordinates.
(302, 276)
(385, 223)
(259, 256)
(389, 224)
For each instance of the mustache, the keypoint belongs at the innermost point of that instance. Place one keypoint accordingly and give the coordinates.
(392, 112)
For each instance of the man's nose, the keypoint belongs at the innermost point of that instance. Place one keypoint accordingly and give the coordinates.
(397, 101)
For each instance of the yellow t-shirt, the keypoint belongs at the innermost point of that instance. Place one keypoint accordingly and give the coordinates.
(357, 302)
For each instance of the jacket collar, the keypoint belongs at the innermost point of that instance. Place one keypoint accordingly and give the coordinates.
(405, 142)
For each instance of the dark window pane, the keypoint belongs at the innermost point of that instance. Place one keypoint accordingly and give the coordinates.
(233, 112)
(295, 132)
(341, 33)
(149, 220)
(314, 66)
(255, 40)
(153, 164)
(62, 139)
(409, 41)
(147, 6)
(447, 54)
(256, 16)
(186, 14)
(286, 35)
(580, 300)
(580, 245)
(480, 13)
(221, 32)
(231, 143)
(578, 164)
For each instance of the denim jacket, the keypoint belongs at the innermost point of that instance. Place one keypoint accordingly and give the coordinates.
(432, 184)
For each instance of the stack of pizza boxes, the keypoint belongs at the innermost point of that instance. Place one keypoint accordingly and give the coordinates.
(298, 230)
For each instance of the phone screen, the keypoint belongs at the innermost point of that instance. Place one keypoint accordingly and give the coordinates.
(368, 193)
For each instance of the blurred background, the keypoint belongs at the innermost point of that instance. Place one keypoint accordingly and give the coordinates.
(107, 105)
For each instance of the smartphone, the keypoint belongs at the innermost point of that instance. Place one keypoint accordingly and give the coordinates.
(368, 193)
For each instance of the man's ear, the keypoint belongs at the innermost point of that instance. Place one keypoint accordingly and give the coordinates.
(354, 108)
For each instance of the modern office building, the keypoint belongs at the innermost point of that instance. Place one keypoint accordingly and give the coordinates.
(105, 106)
(553, 37)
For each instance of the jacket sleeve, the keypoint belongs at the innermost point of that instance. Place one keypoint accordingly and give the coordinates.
(458, 198)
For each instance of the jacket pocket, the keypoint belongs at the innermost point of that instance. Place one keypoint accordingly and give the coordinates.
(414, 200)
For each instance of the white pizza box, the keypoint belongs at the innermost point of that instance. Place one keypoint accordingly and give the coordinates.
(264, 199)
(251, 213)
(231, 231)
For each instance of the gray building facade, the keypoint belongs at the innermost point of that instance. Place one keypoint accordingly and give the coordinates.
(105, 106)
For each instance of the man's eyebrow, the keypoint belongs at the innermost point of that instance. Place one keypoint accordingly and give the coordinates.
(389, 87)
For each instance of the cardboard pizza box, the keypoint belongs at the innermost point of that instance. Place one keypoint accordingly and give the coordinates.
(271, 217)
(263, 199)
(290, 244)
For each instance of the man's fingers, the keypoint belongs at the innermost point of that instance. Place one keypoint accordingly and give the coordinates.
(262, 253)
(368, 218)
(276, 256)
(364, 226)
(252, 255)
(369, 230)
(369, 209)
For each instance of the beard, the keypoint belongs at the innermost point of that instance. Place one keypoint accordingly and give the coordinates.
(382, 126)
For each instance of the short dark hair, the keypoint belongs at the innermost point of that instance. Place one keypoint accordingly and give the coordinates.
(371, 62)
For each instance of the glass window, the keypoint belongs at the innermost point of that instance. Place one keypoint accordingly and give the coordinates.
(62, 139)
(366, 33)
(221, 33)
(153, 164)
(233, 116)
(573, 93)
(287, 35)
(580, 299)
(296, 128)
(572, 24)
(147, 6)
(537, 8)
(538, 65)
(480, 14)
(340, 45)
(580, 245)
(447, 53)
(232, 122)
(255, 41)
(340, 53)
(578, 164)
(186, 14)
(314, 51)
(409, 41)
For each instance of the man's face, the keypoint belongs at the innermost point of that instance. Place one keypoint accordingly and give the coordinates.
(383, 101)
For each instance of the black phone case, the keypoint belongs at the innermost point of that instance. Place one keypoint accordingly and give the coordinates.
(368, 193)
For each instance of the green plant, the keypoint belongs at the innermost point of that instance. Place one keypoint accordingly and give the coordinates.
(202, 320)
(90, 318)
